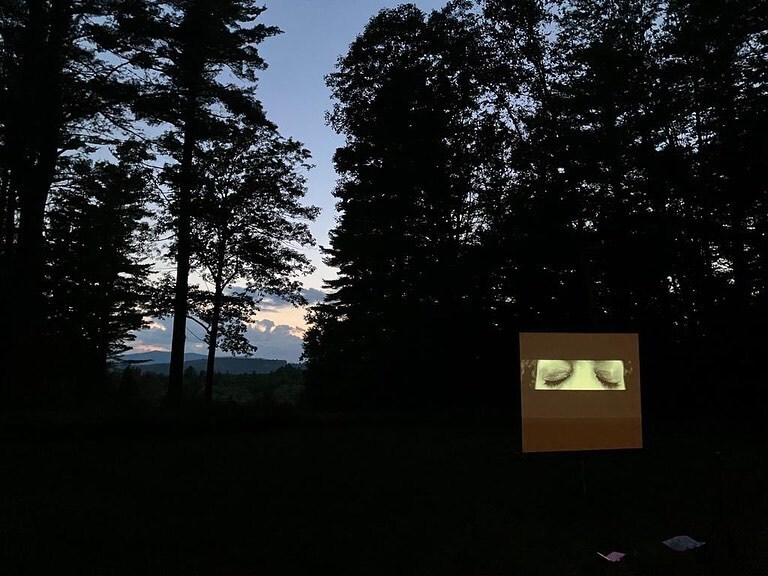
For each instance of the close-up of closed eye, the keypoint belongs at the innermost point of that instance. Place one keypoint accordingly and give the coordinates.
(610, 373)
(555, 372)
(579, 375)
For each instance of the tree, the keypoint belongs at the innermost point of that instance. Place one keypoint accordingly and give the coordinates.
(248, 225)
(609, 125)
(200, 61)
(619, 154)
(530, 213)
(98, 276)
(408, 102)
(58, 95)
(716, 65)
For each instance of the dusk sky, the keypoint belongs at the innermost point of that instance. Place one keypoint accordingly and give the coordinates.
(293, 91)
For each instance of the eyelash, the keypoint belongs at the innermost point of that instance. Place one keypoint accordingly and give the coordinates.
(556, 383)
(604, 382)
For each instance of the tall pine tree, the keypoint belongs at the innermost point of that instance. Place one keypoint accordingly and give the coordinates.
(97, 281)
(200, 60)
(409, 106)
(59, 94)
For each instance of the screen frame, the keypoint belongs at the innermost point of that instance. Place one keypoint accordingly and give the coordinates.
(580, 420)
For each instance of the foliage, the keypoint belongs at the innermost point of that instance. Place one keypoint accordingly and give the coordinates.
(589, 166)
(59, 95)
(199, 61)
(97, 280)
(283, 387)
(409, 105)
(248, 226)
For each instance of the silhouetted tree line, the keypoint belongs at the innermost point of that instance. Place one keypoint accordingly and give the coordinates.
(581, 165)
(131, 130)
(282, 388)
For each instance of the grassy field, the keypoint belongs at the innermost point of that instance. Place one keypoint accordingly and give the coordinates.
(373, 496)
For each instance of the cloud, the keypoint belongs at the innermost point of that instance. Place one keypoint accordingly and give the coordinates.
(277, 329)
(273, 303)
(149, 348)
(313, 295)
(262, 325)
(280, 341)
(274, 341)
(156, 337)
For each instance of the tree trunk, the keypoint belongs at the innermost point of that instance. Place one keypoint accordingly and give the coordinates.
(183, 253)
(27, 310)
(213, 336)
(8, 196)
(193, 67)
(33, 135)
(104, 337)
(6, 261)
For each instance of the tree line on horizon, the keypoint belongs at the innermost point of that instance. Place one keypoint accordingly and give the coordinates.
(130, 134)
(574, 165)
(280, 388)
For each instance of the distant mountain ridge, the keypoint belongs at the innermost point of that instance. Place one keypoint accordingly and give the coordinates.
(157, 357)
(159, 363)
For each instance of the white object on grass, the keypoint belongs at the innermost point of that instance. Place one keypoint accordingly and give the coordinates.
(682, 543)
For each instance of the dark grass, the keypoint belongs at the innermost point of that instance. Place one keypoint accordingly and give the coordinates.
(196, 494)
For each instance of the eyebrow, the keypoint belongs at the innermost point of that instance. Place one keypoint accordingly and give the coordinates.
(603, 362)
(568, 362)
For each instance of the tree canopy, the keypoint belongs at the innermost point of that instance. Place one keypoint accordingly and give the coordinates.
(578, 166)
(248, 226)
(94, 94)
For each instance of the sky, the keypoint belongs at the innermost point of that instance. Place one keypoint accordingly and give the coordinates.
(293, 92)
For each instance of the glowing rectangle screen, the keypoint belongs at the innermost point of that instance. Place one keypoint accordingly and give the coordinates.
(580, 391)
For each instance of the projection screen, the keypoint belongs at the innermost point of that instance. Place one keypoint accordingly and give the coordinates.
(580, 391)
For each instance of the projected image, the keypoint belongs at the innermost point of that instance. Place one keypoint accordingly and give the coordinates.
(580, 391)
(579, 375)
